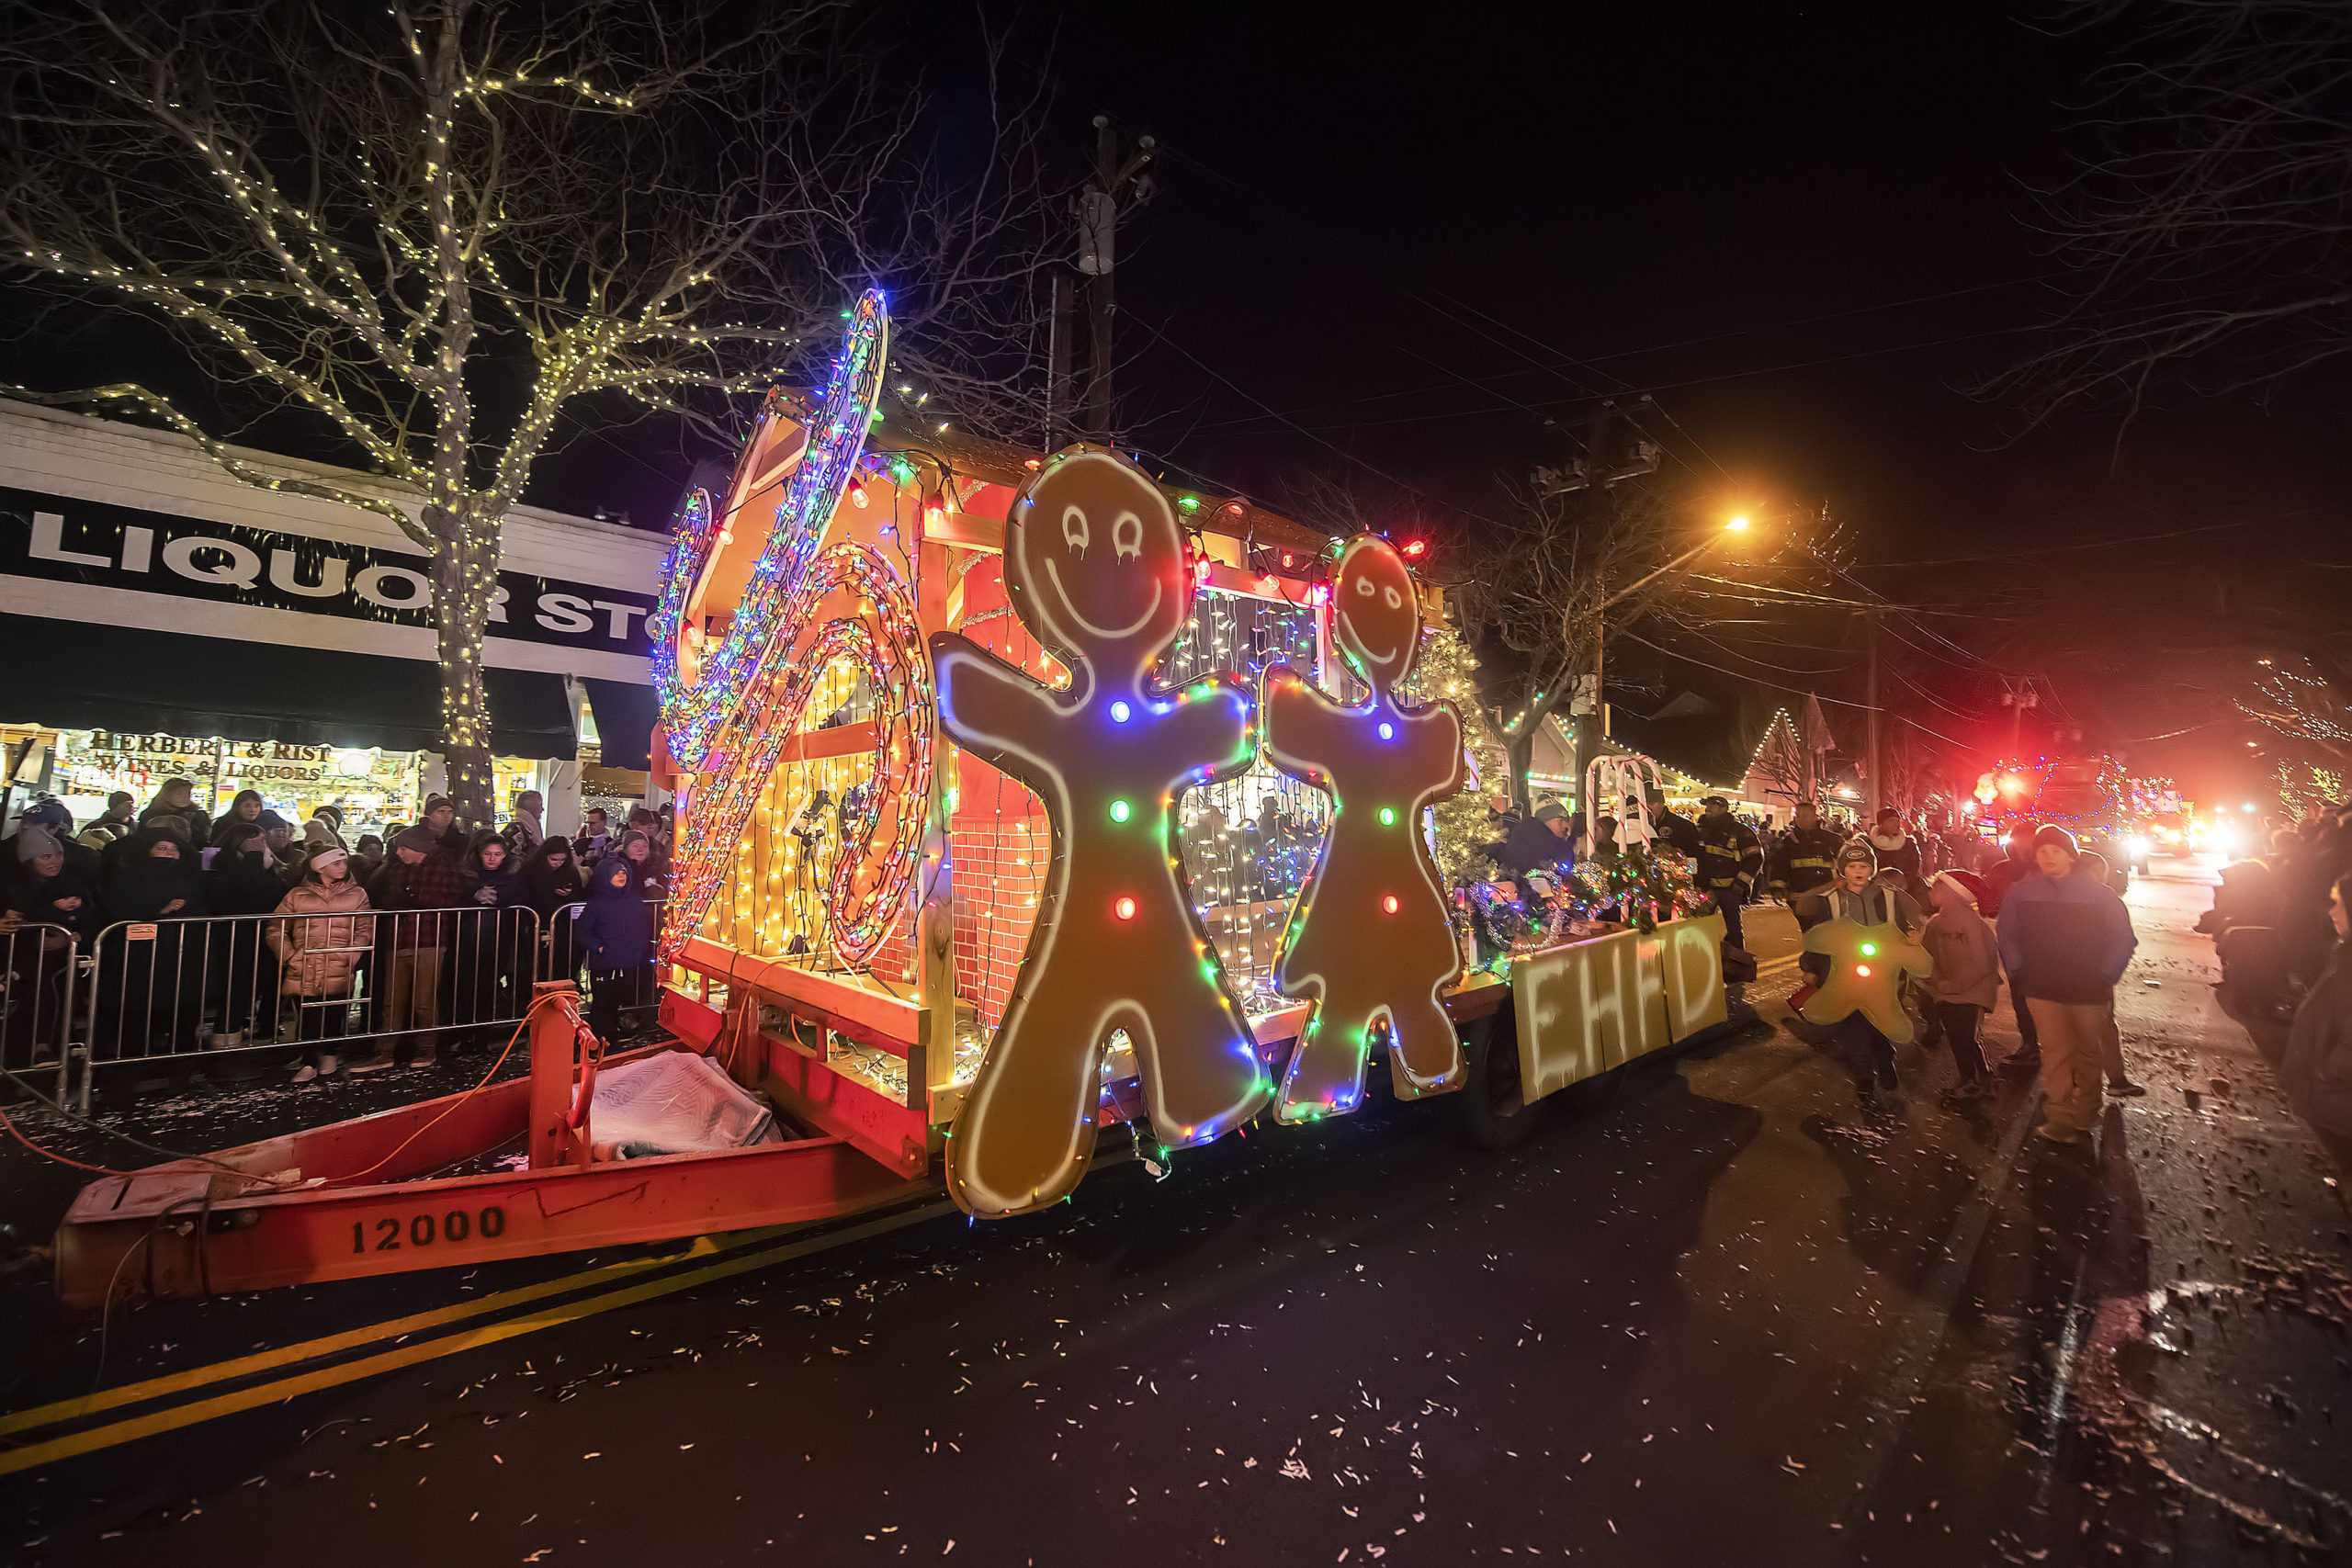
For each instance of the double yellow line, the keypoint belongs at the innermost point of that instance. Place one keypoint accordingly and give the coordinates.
(725, 1260)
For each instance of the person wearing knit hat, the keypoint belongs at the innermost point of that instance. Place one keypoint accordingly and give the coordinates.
(324, 826)
(277, 834)
(418, 838)
(441, 816)
(51, 813)
(418, 884)
(51, 816)
(1859, 897)
(2110, 1040)
(1966, 978)
(48, 889)
(33, 841)
(2065, 942)
(318, 953)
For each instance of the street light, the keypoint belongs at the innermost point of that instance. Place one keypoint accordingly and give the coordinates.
(1738, 525)
(1734, 525)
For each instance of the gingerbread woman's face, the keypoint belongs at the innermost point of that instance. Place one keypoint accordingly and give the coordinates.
(1375, 612)
(1094, 548)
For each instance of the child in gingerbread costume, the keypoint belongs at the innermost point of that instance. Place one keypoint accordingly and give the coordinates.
(1095, 566)
(1369, 938)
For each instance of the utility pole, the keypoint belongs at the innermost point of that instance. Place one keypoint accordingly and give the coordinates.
(1588, 712)
(1871, 784)
(1059, 329)
(1120, 177)
(2017, 697)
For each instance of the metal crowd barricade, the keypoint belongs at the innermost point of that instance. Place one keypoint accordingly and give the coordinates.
(639, 989)
(37, 992)
(177, 990)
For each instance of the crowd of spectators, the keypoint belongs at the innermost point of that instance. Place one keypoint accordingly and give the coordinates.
(416, 942)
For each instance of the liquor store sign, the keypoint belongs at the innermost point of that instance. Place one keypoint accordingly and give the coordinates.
(169, 754)
(62, 539)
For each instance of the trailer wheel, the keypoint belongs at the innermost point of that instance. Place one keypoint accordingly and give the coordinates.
(1491, 1112)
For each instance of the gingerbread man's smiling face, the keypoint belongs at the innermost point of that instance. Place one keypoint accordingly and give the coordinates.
(1374, 611)
(1094, 547)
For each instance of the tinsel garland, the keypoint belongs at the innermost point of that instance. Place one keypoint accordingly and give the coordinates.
(1633, 888)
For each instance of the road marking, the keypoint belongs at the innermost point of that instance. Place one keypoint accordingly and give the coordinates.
(198, 1411)
(391, 1329)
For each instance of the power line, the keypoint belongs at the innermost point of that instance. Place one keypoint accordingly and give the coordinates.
(1239, 390)
(1798, 691)
(2063, 549)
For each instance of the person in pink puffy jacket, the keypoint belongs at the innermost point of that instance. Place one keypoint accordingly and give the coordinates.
(320, 943)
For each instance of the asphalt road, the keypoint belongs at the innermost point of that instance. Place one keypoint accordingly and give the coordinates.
(1712, 1313)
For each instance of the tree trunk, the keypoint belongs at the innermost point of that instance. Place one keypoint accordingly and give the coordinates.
(465, 577)
(1522, 752)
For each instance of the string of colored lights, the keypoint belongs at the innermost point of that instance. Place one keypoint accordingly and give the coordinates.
(699, 714)
(729, 722)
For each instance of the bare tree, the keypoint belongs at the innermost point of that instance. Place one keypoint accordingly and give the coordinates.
(2210, 226)
(440, 228)
(2300, 705)
(1555, 581)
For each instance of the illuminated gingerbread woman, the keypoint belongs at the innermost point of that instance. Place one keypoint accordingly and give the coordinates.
(1369, 938)
(1095, 566)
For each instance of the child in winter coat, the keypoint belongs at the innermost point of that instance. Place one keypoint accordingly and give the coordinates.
(1857, 895)
(1967, 976)
(319, 947)
(615, 935)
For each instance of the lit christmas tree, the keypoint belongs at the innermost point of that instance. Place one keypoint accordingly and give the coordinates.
(1466, 822)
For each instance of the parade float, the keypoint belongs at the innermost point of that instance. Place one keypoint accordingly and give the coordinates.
(1019, 797)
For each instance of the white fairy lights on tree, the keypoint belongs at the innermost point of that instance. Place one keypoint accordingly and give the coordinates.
(445, 232)
(2299, 703)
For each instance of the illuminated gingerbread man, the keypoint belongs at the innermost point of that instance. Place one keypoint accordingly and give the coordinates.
(1866, 969)
(1369, 937)
(1095, 566)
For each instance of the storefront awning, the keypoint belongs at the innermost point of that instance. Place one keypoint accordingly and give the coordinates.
(626, 714)
(132, 678)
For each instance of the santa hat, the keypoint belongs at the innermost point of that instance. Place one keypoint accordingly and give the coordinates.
(1961, 881)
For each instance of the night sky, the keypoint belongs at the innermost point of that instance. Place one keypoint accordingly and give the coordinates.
(1387, 247)
(1811, 232)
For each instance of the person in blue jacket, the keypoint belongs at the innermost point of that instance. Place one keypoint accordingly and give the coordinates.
(2065, 940)
(616, 934)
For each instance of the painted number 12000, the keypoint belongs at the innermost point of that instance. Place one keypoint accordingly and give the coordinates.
(425, 1230)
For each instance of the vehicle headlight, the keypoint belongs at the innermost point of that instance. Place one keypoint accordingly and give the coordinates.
(2138, 846)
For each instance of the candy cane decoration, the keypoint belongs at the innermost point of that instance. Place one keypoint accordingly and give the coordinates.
(729, 710)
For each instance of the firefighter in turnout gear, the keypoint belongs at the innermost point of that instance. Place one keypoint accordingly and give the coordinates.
(1730, 860)
(1804, 863)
